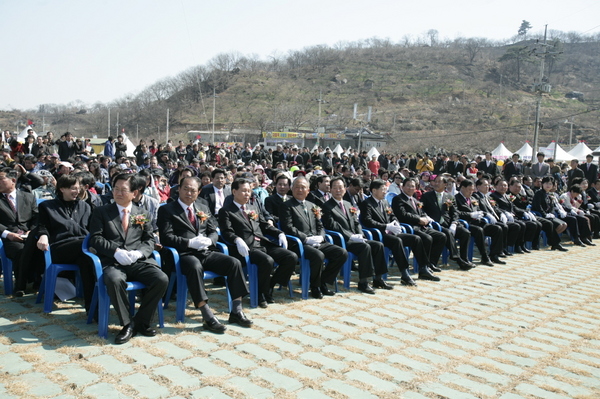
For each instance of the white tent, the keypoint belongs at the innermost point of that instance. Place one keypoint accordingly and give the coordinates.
(372, 151)
(338, 149)
(316, 147)
(501, 152)
(23, 133)
(525, 151)
(561, 155)
(130, 145)
(580, 151)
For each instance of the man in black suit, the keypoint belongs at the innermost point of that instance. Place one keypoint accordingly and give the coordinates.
(454, 166)
(589, 169)
(302, 219)
(354, 192)
(375, 212)
(322, 193)
(340, 216)
(488, 165)
(216, 192)
(440, 206)
(18, 215)
(121, 235)
(408, 210)
(67, 148)
(188, 226)
(274, 202)
(468, 209)
(244, 226)
(296, 157)
(513, 167)
(574, 172)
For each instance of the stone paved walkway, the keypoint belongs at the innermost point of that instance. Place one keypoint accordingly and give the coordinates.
(525, 330)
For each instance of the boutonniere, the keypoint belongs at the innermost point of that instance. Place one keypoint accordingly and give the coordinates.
(388, 210)
(492, 202)
(511, 197)
(449, 202)
(561, 201)
(419, 204)
(252, 215)
(353, 210)
(588, 198)
(139, 220)
(202, 217)
(524, 199)
(474, 202)
(317, 212)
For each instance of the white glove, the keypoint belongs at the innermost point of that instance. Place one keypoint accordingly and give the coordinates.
(357, 238)
(199, 242)
(134, 256)
(573, 211)
(492, 218)
(390, 226)
(562, 213)
(503, 218)
(283, 241)
(314, 241)
(531, 216)
(453, 229)
(122, 257)
(527, 216)
(597, 204)
(476, 215)
(550, 216)
(590, 206)
(242, 247)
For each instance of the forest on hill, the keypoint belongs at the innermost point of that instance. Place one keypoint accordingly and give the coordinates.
(467, 94)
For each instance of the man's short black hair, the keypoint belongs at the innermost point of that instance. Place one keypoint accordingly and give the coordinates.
(339, 178)
(376, 184)
(135, 181)
(238, 182)
(466, 183)
(216, 172)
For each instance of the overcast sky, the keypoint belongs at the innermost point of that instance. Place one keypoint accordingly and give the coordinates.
(58, 51)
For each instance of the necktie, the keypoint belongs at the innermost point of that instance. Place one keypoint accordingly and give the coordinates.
(440, 198)
(326, 196)
(125, 220)
(342, 208)
(191, 216)
(414, 204)
(243, 208)
(11, 203)
(469, 201)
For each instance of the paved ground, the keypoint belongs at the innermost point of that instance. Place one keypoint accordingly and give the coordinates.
(525, 330)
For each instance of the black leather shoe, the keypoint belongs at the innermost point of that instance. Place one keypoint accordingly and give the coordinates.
(426, 275)
(525, 250)
(507, 252)
(408, 281)
(579, 243)
(587, 241)
(145, 330)
(497, 260)
(434, 268)
(366, 288)
(501, 255)
(535, 247)
(519, 251)
(486, 262)
(464, 265)
(19, 294)
(326, 291)
(382, 284)
(558, 247)
(269, 296)
(240, 319)
(213, 325)
(263, 304)
(315, 292)
(125, 334)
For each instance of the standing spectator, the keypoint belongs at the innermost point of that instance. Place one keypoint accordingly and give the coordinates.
(109, 149)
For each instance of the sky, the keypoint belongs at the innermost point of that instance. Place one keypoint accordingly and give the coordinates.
(61, 51)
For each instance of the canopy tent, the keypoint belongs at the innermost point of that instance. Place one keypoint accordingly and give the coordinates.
(501, 152)
(372, 151)
(561, 155)
(580, 151)
(23, 133)
(315, 147)
(130, 145)
(525, 151)
(338, 149)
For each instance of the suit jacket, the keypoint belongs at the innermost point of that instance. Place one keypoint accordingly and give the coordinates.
(372, 216)
(573, 173)
(444, 215)
(355, 200)
(208, 193)
(511, 169)
(484, 205)
(335, 219)
(540, 169)
(505, 204)
(296, 222)
(234, 224)
(176, 230)
(60, 224)
(26, 217)
(454, 168)
(542, 203)
(591, 172)
(490, 170)
(464, 209)
(273, 205)
(404, 210)
(107, 234)
(594, 195)
(65, 152)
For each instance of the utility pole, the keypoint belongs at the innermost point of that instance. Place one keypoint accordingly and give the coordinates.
(167, 125)
(108, 131)
(570, 134)
(213, 119)
(538, 89)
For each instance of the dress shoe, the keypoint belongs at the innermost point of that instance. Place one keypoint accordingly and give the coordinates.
(519, 250)
(263, 304)
(213, 325)
(145, 330)
(382, 284)
(587, 241)
(408, 281)
(502, 255)
(558, 247)
(486, 262)
(366, 288)
(507, 252)
(19, 293)
(579, 243)
(464, 265)
(240, 319)
(525, 250)
(426, 275)
(434, 268)
(269, 296)
(125, 334)
(315, 292)
(326, 291)
(497, 260)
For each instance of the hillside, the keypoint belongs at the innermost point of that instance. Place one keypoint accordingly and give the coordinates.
(465, 95)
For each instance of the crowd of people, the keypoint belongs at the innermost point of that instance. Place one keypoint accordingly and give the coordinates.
(270, 207)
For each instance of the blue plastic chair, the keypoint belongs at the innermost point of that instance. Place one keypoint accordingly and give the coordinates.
(347, 268)
(101, 300)
(182, 289)
(48, 284)
(389, 197)
(7, 271)
(40, 200)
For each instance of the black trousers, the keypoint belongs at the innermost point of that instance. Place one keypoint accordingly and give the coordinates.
(319, 275)
(464, 238)
(549, 226)
(371, 257)
(195, 264)
(156, 281)
(396, 245)
(491, 230)
(417, 246)
(433, 242)
(511, 233)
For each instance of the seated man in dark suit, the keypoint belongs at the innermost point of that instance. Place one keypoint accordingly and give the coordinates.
(188, 226)
(322, 193)
(407, 209)
(340, 216)
(354, 192)
(18, 215)
(302, 219)
(121, 235)
(244, 226)
(216, 192)
(440, 206)
(468, 209)
(274, 202)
